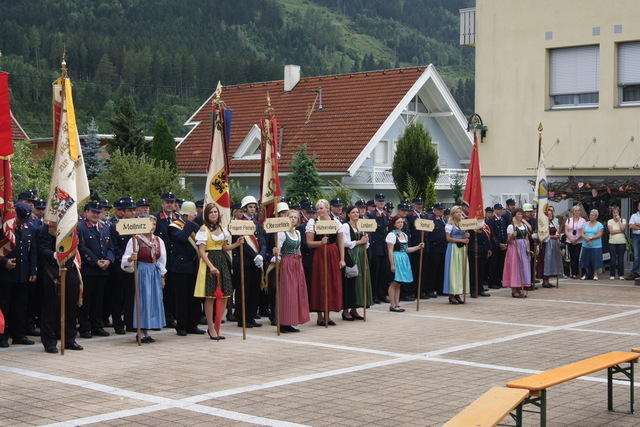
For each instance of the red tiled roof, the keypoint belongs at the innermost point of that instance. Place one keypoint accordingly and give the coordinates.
(354, 108)
(17, 133)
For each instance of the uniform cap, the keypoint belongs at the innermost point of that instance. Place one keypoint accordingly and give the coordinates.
(142, 202)
(168, 197)
(336, 202)
(200, 203)
(23, 211)
(93, 206)
(379, 197)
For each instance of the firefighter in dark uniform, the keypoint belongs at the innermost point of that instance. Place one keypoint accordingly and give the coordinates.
(336, 209)
(481, 254)
(254, 249)
(378, 257)
(50, 314)
(18, 271)
(182, 269)
(199, 212)
(498, 246)
(164, 217)
(437, 244)
(122, 287)
(142, 208)
(96, 251)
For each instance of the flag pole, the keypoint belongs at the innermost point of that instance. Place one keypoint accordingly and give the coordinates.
(63, 308)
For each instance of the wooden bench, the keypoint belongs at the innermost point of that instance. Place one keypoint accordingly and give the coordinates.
(491, 408)
(539, 383)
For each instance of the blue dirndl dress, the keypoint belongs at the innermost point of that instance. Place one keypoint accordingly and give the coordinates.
(403, 273)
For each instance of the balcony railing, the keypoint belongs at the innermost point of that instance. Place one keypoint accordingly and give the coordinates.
(468, 27)
(381, 178)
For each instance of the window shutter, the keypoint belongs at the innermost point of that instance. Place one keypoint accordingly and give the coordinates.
(629, 63)
(574, 70)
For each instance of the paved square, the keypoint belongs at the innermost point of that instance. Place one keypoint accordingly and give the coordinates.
(412, 368)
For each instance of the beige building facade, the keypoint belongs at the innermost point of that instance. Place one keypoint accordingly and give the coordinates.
(572, 65)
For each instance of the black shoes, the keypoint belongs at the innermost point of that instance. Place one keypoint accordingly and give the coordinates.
(147, 339)
(484, 294)
(22, 341)
(100, 332)
(287, 329)
(195, 331)
(73, 346)
(355, 315)
(120, 331)
(86, 334)
(51, 349)
(348, 319)
(181, 332)
(4, 343)
(255, 324)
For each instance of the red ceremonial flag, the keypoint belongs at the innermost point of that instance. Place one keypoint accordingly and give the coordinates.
(270, 190)
(7, 211)
(473, 189)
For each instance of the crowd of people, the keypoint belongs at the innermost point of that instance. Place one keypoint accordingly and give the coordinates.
(189, 267)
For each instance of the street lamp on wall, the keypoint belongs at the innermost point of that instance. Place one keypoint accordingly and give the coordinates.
(475, 125)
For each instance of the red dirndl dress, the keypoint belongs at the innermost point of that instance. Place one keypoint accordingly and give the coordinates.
(334, 276)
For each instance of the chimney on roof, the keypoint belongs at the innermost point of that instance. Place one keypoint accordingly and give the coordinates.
(291, 77)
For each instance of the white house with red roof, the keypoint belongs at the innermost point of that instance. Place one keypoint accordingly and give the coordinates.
(17, 133)
(349, 122)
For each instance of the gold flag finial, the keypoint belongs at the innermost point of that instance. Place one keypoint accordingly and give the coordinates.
(63, 65)
(218, 92)
(269, 108)
(540, 128)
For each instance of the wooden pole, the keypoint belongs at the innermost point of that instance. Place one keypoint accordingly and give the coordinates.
(418, 291)
(557, 281)
(136, 282)
(365, 298)
(278, 288)
(326, 288)
(244, 307)
(63, 308)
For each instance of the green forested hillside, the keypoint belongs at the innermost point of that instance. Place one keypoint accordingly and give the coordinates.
(169, 54)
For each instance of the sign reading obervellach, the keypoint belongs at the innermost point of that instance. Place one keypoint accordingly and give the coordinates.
(327, 226)
(241, 228)
(275, 225)
(128, 226)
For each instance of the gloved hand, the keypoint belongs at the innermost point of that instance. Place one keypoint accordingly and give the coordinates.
(258, 261)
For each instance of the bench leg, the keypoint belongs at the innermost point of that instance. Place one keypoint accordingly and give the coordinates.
(628, 376)
(519, 416)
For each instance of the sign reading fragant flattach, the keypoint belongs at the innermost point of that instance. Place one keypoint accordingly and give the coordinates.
(241, 228)
(127, 226)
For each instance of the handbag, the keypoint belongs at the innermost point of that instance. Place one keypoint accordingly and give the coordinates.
(351, 272)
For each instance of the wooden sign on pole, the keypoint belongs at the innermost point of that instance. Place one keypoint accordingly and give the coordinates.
(241, 228)
(275, 225)
(469, 224)
(327, 226)
(424, 224)
(127, 226)
(367, 225)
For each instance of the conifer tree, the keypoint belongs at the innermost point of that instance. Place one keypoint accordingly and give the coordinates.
(128, 132)
(304, 180)
(163, 146)
(415, 162)
(93, 160)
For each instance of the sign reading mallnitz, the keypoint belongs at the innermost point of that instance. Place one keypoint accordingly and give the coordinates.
(128, 226)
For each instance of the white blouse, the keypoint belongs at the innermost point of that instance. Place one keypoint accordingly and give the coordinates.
(161, 262)
(346, 236)
(393, 237)
(282, 235)
(201, 236)
(511, 228)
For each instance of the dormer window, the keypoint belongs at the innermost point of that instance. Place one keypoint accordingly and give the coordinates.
(249, 149)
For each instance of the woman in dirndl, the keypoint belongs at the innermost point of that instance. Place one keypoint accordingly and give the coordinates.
(329, 244)
(150, 254)
(212, 241)
(293, 302)
(456, 263)
(549, 256)
(517, 267)
(398, 250)
(355, 245)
